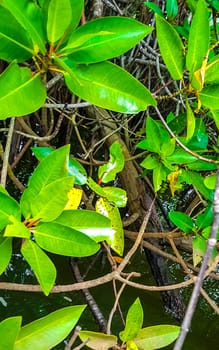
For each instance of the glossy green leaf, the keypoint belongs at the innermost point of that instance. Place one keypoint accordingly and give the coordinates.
(98, 341)
(77, 7)
(171, 47)
(116, 195)
(198, 37)
(9, 329)
(210, 181)
(42, 266)
(215, 116)
(28, 14)
(59, 239)
(201, 165)
(156, 337)
(50, 169)
(14, 40)
(159, 175)
(212, 71)
(108, 171)
(198, 249)
(181, 157)
(96, 226)
(104, 207)
(18, 84)
(204, 220)
(5, 253)
(182, 221)
(134, 322)
(154, 7)
(107, 85)
(9, 209)
(52, 199)
(50, 330)
(77, 170)
(103, 39)
(195, 179)
(74, 167)
(95, 187)
(59, 18)
(199, 141)
(167, 148)
(171, 8)
(150, 162)
(17, 229)
(209, 96)
(190, 121)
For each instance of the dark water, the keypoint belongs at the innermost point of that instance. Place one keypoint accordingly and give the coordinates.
(205, 327)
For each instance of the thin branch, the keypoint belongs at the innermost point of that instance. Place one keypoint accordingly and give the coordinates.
(211, 243)
(181, 144)
(7, 152)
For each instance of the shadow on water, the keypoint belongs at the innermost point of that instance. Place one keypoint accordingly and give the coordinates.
(205, 327)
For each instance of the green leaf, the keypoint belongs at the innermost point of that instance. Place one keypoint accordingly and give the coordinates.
(212, 71)
(108, 171)
(95, 187)
(15, 42)
(9, 209)
(52, 199)
(168, 148)
(74, 167)
(116, 195)
(109, 86)
(59, 18)
(154, 7)
(50, 330)
(96, 226)
(59, 239)
(18, 84)
(209, 96)
(103, 39)
(77, 7)
(28, 14)
(150, 162)
(77, 170)
(50, 169)
(42, 266)
(154, 131)
(195, 179)
(134, 321)
(181, 157)
(98, 341)
(171, 47)
(190, 121)
(182, 221)
(210, 181)
(202, 165)
(198, 249)
(5, 253)
(204, 220)
(17, 229)
(116, 242)
(171, 8)
(198, 38)
(159, 175)
(9, 329)
(156, 337)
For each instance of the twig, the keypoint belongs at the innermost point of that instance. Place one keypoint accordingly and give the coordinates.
(73, 338)
(196, 291)
(7, 152)
(181, 144)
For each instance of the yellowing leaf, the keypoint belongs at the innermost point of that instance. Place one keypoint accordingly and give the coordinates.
(74, 198)
(131, 345)
(104, 207)
(172, 178)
